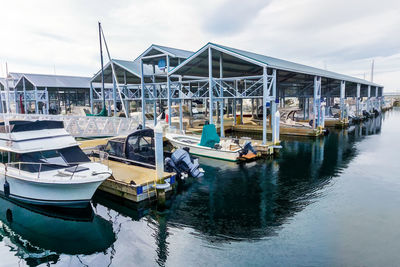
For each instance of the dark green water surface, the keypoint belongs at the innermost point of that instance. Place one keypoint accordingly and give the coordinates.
(333, 201)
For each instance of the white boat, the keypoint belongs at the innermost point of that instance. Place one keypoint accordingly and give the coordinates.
(214, 148)
(42, 164)
(192, 142)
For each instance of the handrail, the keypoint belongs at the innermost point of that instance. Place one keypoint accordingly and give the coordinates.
(69, 164)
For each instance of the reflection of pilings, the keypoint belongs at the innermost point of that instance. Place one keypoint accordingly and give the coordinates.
(161, 235)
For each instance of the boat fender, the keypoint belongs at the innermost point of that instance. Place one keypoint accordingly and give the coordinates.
(326, 132)
(6, 189)
(9, 216)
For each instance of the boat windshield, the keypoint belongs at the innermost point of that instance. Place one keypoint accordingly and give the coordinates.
(49, 159)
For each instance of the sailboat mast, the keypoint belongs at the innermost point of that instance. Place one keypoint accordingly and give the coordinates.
(102, 69)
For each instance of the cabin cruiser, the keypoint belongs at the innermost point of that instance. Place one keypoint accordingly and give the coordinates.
(41, 164)
(138, 148)
(210, 145)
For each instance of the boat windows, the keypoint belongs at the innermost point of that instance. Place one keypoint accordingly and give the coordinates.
(115, 148)
(49, 159)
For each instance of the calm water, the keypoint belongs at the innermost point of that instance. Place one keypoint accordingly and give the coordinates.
(334, 201)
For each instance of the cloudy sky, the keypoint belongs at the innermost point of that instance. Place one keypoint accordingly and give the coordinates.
(48, 36)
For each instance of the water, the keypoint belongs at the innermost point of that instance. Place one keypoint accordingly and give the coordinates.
(333, 201)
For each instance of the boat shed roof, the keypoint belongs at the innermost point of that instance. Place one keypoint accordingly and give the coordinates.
(55, 81)
(243, 58)
(130, 70)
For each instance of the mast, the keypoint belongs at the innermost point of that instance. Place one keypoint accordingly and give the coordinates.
(102, 69)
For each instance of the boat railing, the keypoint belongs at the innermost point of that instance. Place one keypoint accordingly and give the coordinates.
(20, 166)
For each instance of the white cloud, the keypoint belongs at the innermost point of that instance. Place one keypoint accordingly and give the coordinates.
(343, 35)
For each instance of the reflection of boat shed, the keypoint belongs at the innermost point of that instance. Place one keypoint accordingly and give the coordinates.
(40, 93)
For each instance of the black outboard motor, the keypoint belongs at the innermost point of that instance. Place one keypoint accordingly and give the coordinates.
(246, 148)
(367, 114)
(181, 162)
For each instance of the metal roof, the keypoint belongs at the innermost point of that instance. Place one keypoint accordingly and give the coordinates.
(57, 81)
(272, 62)
(175, 51)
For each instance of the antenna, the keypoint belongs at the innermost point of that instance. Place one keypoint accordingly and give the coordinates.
(372, 71)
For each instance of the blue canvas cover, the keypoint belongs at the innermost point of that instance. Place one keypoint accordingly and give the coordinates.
(209, 136)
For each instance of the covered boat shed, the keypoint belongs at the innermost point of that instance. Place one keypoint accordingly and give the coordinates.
(133, 81)
(43, 93)
(219, 72)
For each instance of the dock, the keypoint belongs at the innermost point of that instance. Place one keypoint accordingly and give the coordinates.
(131, 182)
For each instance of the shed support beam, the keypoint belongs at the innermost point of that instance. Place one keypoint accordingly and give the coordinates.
(342, 97)
(180, 106)
(222, 130)
(210, 84)
(358, 100)
(143, 94)
(376, 98)
(114, 95)
(369, 98)
(317, 101)
(169, 94)
(153, 79)
(91, 98)
(25, 102)
(264, 104)
(274, 122)
(36, 102)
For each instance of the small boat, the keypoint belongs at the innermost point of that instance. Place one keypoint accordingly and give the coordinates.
(41, 164)
(138, 148)
(210, 145)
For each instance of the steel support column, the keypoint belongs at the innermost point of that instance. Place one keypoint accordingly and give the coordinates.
(369, 98)
(25, 102)
(342, 97)
(222, 130)
(210, 84)
(91, 97)
(180, 107)
(275, 138)
(358, 100)
(36, 102)
(169, 94)
(317, 101)
(264, 103)
(143, 94)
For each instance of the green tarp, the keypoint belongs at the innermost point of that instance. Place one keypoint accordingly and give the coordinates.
(103, 113)
(209, 136)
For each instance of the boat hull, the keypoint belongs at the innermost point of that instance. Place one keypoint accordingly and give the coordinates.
(76, 195)
(205, 151)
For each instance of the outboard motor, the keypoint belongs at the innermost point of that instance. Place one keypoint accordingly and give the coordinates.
(246, 148)
(181, 161)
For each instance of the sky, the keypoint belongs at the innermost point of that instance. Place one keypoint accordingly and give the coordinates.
(59, 36)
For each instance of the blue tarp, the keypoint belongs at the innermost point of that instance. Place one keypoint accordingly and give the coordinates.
(209, 136)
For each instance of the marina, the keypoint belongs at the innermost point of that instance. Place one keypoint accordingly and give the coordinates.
(199, 134)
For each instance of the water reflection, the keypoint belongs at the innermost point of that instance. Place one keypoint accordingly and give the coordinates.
(39, 235)
(250, 202)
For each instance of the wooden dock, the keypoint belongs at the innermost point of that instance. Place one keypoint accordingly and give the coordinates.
(128, 181)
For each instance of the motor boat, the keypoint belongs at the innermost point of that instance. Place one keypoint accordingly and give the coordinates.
(138, 148)
(210, 145)
(41, 164)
